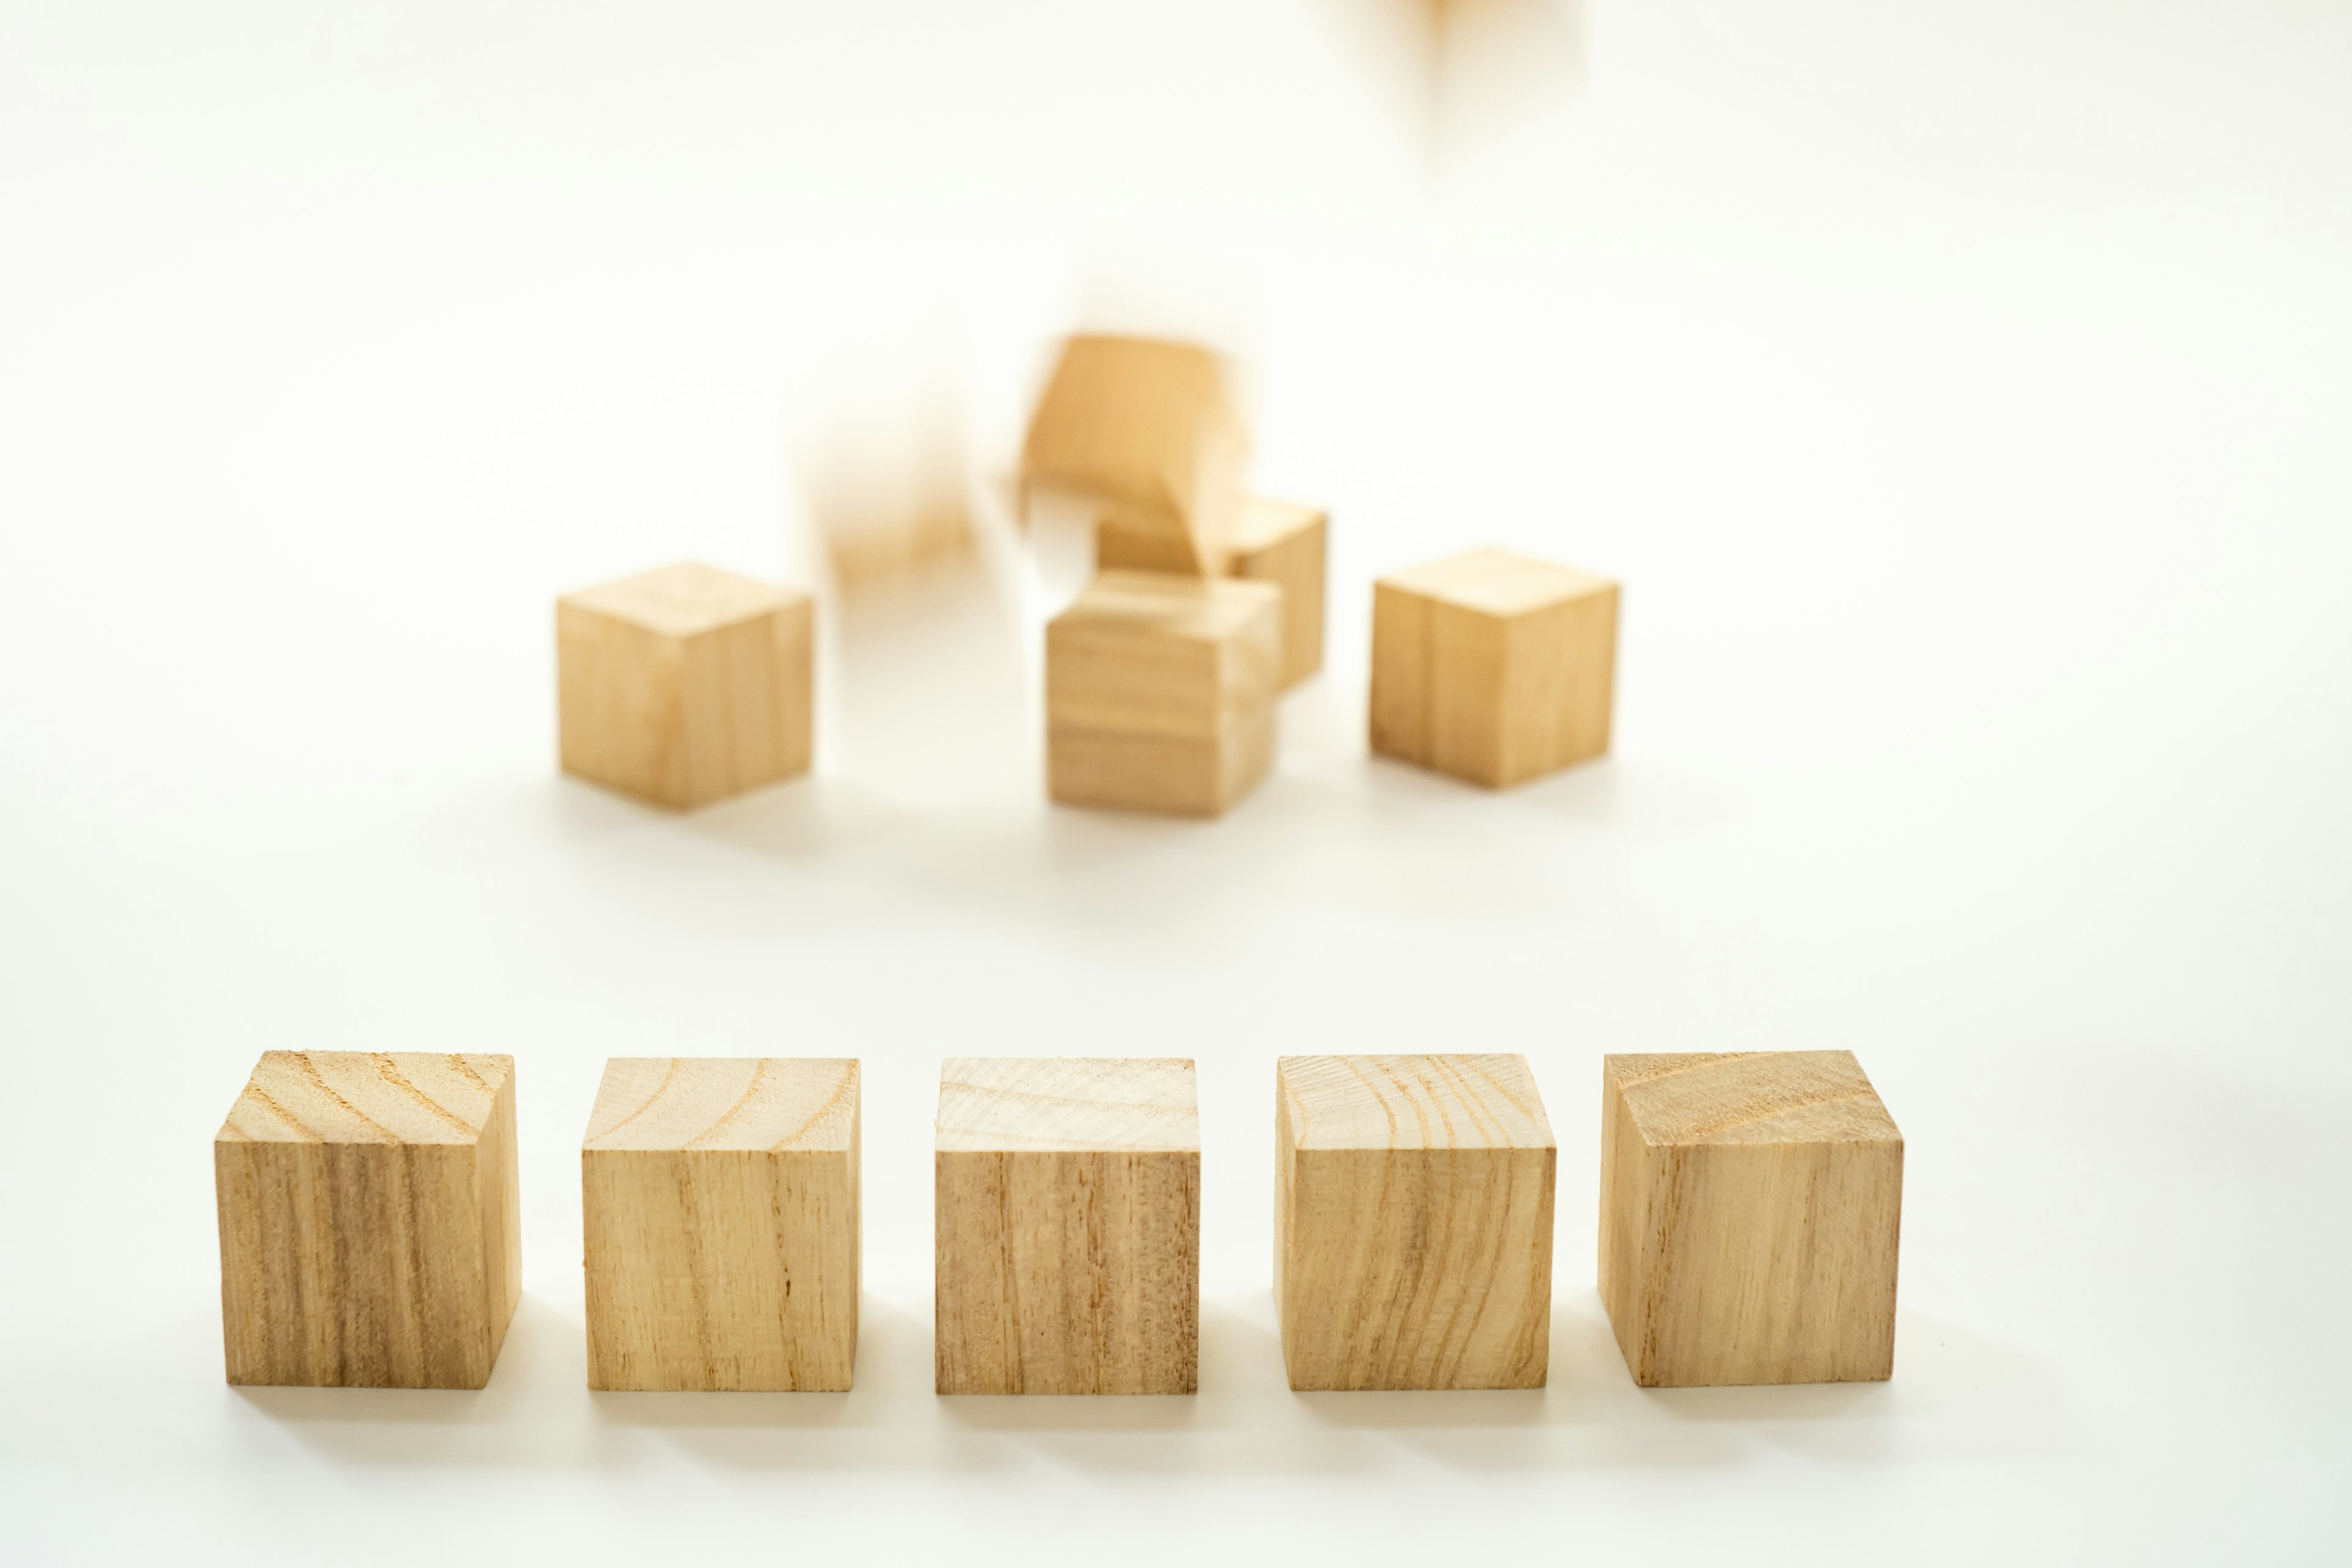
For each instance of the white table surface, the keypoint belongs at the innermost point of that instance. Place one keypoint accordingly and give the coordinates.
(1962, 389)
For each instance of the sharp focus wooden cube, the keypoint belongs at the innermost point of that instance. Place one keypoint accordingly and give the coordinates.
(1493, 667)
(1068, 1214)
(368, 1220)
(1412, 1222)
(683, 686)
(1274, 541)
(718, 1198)
(1751, 1207)
(1159, 693)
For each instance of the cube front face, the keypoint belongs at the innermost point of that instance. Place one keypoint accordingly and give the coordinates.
(1068, 1252)
(368, 1220)
(1493, 667)
(1750, 1218)
(683, 686)
(720, 1213)
(1414, 1223)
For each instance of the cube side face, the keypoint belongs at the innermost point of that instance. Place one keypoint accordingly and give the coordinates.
(359, 1265)
(1558, 680)
(746, 696)
(1402, 691)
(1416, 1269)
(720, 1270)
(1293, 562)
(1068, 1272)
(621, 705)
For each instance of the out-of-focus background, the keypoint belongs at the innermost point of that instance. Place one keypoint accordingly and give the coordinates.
(1961, 388)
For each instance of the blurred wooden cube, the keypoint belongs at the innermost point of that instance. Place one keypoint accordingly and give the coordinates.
(1412, 1222)
(1750, 1210)
(683, 686)
(719, 1201)
(1274, 541)
(1159, 693)
(1148, 432)
(1068, 1215)
(368, 1224)
(1493, 667)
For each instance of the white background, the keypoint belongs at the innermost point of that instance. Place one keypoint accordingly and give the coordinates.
(1962, 389)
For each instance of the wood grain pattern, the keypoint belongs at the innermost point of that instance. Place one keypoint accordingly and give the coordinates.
(683, 686)
(1493, 667)
(1412, 1222)
(719, 1202)
(1068, 1239)
(1159, 693)
(1274, 541)
(1149, 431)
(368, 1220)
(1751, 1217)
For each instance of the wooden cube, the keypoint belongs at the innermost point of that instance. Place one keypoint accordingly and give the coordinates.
(1149, 431)
(719, 1197)
(683, 686)
(1159, 693)
(1068, 1215)
(1493, 667)
(1412, 1222)
(1274, 541)
(368, 1220)
(1751, 1207)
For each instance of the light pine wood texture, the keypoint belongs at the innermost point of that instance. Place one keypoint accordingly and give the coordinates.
(1149, 431)
(1493, 667)
(1159, 693)
(1750, 1211)
(1412, 1222)
(719, 1202)
(1274, 541)
(1069, 1215)
(683, 686)
(368, 1226)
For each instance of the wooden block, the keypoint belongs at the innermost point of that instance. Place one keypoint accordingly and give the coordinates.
(1159, 693)
(683, 686)
(1493, 667)
(1149, 432)
(719, 1202)
(1751, 1207)
(1069, 1215)
(1275, 543)
(1412, 1222)
(368, 1220)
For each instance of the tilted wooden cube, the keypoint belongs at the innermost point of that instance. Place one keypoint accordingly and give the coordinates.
(719, 1205)
(1159, 693)
(1068, 1215)
(1750, 1208)
(1412, 1222)
(1274, 541)
(368, 1220)
(1493, 667)
(683, 686)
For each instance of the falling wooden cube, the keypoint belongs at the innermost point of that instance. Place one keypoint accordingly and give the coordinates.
(1751, 1207)
(368, 1220)
(1412, 1222)
(718, 1200)
(1493, 667)
(683, 686)
(1159, 693)
(1150, 433)
(1274, 541)
(1068, 1215)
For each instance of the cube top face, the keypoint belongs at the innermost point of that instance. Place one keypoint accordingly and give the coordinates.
(1396, 1102)
(362, 1097)
(682, 601)
(1162, 605)
(1497, 582)
(1068, 1104)
(755, 1104)
(1749, 1096)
